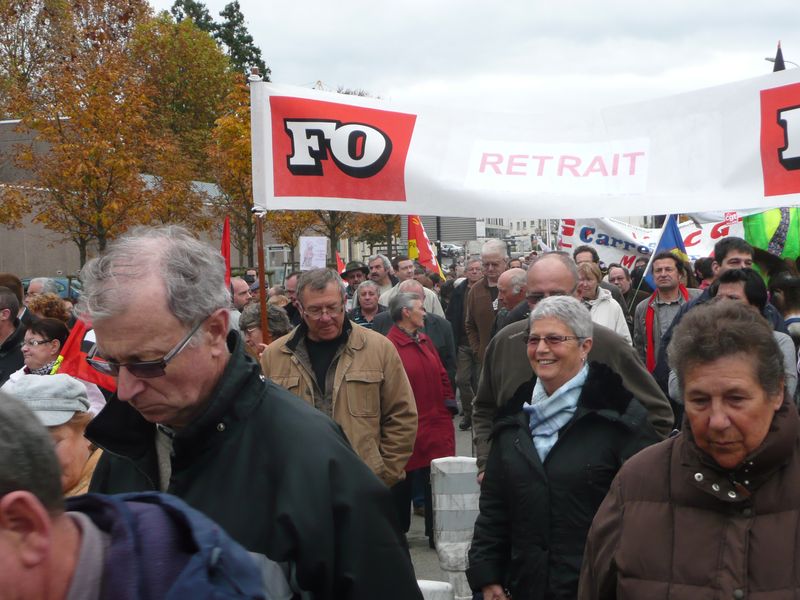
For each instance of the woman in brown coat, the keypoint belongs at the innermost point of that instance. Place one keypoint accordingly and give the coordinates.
(715, 511)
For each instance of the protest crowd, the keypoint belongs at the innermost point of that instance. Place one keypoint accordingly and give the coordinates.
(632, 440)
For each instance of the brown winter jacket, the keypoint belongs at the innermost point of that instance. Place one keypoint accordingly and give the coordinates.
(675, 526)
(371, 397)
(479, 314)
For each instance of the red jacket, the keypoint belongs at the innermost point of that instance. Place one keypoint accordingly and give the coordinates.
(431, 387)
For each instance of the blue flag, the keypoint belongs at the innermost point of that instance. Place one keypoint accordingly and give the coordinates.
(670, 241)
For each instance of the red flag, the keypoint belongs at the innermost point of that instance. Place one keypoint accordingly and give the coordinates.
(225, 249)
(340, 266)
(419, 246)
(73, 358)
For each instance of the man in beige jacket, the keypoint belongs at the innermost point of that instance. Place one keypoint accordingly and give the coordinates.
(352, 374)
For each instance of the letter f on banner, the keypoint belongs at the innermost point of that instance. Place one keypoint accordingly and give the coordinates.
(780, 140)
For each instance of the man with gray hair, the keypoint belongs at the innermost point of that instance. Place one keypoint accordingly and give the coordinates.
(350, 373)
(512, 288)
(380, 271)
(193, 417)
(40, 285)
(482, 302)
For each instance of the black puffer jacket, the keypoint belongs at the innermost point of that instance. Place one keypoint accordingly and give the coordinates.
(534, 517)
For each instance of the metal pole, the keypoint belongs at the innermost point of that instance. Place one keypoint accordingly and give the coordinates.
(262, 279)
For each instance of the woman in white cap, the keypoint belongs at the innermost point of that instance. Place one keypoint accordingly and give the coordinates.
(60, 403)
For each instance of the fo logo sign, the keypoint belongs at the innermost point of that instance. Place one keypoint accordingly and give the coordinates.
(324, 149)
(780, 140)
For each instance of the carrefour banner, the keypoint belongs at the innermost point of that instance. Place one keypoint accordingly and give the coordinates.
(718, 149)
(620, 242)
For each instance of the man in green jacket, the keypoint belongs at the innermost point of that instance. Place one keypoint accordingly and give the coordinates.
(194, 417)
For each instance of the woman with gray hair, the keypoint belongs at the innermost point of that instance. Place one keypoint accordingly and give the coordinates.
(432, 391)
(556, 448)
(250, 326)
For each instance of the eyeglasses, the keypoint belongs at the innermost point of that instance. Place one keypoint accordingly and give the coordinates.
(145, 369)
(316, 312)
(34, 343)
(535, 298)
(551, 340)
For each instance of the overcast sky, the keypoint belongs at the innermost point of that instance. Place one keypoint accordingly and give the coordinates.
(519, 55)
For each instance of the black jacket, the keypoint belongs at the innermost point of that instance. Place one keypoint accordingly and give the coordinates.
(534, 517)
(278, 475)
(455, 313)
(11, 358)
(438, 329)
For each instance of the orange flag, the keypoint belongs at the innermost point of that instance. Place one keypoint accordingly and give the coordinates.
(420, 247)
(340, 266)
(225, 249)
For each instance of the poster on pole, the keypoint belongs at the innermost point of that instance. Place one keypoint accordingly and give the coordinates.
(313, 252)
(720, 149)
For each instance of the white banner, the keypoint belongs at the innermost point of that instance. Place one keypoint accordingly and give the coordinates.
(730, 147)
(619, 242)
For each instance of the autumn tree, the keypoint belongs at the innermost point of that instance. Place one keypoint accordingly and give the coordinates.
(287, 226)
(231, 167)
(28, 29)
(190, 77)
(107, 166)
(378, 230)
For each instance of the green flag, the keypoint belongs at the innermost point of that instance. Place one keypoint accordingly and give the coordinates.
(777, 231)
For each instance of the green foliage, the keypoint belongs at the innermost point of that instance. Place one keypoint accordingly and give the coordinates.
(196, 11)
(232, 34)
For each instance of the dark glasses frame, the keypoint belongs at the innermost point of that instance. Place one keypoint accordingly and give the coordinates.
(145, 369)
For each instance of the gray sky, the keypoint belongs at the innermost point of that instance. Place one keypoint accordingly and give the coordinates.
(516, 55)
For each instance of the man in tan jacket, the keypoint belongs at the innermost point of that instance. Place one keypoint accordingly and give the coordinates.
(352, 374)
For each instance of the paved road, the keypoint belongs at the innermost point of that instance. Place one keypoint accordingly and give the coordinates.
(426, 563)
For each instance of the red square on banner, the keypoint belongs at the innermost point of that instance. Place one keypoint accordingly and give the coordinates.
(780, 137)
(336, 150)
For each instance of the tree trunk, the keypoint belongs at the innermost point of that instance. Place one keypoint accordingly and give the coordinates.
(389, 232)
(81, 243)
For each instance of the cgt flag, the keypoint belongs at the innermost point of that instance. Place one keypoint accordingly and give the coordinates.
(670, 241)
(419, 246)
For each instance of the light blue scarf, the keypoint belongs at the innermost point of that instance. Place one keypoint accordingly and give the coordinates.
(548, 414)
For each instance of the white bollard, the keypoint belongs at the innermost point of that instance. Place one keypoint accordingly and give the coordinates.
(455, 507)
(435, 590)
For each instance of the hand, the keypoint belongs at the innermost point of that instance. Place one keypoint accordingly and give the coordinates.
(261, 348)
(494, 592)
(480, 477)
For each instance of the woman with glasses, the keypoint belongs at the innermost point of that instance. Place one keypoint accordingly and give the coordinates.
(556, 448)
(41, 350)
(604, 309)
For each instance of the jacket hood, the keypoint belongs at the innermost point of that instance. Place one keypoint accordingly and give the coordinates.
(603, 295)
(162, 548)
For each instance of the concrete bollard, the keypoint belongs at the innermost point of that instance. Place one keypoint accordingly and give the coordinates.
(435, 590)
(455, 508)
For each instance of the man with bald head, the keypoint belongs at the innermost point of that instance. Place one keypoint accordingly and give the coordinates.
(506, 365)
(437, 328)
(512, 288)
